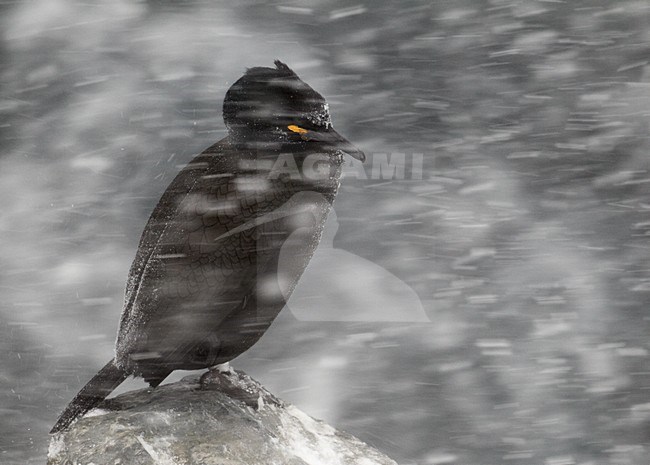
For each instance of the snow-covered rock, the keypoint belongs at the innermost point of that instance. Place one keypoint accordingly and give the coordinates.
(230, 420)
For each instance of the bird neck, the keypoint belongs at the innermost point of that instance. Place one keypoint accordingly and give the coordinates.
(295, 165)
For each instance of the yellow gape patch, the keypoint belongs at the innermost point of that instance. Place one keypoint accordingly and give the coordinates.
(298, 129)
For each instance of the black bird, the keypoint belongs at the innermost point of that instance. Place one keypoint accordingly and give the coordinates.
(205, 284)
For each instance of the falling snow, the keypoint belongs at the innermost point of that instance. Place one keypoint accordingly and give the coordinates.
(525, 240)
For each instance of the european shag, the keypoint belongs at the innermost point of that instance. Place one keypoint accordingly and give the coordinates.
(205, 284)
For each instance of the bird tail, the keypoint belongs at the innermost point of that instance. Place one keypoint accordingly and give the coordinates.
(96, 390)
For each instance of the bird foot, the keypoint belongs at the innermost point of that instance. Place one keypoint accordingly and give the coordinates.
(223, 368)
(238, 386)
(216, 374)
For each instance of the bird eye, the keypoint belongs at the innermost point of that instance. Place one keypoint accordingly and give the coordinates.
(298, 129)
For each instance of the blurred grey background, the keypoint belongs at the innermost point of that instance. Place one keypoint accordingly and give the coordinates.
(526, 241)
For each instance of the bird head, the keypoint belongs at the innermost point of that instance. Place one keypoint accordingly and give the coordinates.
(274, 104)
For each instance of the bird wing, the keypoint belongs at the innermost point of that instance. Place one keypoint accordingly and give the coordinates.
(159, 221)
(189, 273)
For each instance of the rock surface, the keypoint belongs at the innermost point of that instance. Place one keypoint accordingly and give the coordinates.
(230, 419)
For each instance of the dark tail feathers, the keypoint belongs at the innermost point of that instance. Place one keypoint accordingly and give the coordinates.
(96, 390)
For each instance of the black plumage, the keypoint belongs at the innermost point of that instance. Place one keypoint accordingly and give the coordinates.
(205, 284)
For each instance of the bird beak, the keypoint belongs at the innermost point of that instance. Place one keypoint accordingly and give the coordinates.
(332, 140)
